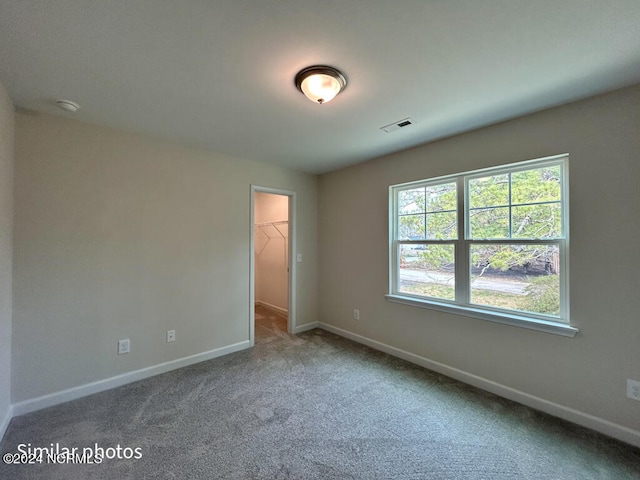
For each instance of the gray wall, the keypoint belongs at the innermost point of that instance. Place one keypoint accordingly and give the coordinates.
(123, 236)
(7, 120)
(587, 373)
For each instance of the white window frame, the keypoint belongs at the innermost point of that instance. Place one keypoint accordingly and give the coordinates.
(558, 325)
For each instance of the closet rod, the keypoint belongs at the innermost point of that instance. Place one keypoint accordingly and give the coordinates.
(266, 224)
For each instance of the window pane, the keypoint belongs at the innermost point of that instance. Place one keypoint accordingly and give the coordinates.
(516, 277)
(428, 271)
(537, 221)
(411, 201)
(411, 227)
(489, 223)
(438, 202)
(442, 226)
(539, 185)
(441, 197)
(490, 191)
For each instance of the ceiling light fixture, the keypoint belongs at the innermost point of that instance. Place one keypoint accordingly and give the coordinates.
(68, 105)
(320, 83)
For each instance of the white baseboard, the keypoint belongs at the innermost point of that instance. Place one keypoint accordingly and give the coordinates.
(305, 327)
(5, 421)
(611, 429)
(270, 306)
(55, 398)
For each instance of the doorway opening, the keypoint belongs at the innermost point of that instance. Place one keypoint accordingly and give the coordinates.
(272, 274)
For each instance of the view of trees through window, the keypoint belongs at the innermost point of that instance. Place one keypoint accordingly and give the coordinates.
(514, 226)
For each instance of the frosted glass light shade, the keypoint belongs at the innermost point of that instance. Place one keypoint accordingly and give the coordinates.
(320, 84)
(320, 88)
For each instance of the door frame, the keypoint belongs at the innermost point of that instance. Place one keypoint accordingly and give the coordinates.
(291, 264)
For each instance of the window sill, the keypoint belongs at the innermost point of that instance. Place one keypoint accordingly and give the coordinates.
(515, 320)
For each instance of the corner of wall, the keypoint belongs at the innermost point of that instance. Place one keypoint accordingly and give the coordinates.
(7, 134)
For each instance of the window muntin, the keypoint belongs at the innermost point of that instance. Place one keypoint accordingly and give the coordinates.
(428, 212)
(512, 259)
(517, 204)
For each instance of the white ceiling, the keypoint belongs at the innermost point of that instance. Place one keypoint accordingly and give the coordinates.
(218, 74)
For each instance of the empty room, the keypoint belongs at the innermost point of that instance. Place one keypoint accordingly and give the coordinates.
(285, 239)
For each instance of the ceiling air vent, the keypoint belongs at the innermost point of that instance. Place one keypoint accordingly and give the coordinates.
(392, 127)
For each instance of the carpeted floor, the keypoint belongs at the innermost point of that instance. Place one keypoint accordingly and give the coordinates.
(313, 406)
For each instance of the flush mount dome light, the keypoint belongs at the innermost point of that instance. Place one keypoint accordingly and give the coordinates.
(320, 83)
(68, 105)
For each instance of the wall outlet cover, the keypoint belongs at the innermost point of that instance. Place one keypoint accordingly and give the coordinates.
(633, 389)
(124, 346)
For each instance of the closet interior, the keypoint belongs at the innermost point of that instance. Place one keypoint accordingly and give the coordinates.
(271, 243)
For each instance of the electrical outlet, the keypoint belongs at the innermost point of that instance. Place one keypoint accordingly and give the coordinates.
(356, 314)
(171, 336)
(633, 389)
(124, 346)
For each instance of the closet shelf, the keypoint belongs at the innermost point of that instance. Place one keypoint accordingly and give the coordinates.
(273, 230)
(267, 231)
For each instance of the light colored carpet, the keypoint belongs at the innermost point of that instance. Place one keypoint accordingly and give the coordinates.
(314, 406)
